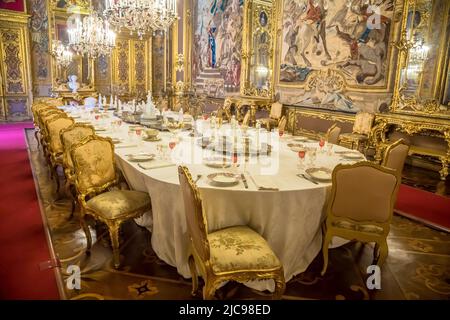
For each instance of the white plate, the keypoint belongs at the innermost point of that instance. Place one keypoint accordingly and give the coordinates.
(298, 148)
(152, 139)
(223, 179)
(319, 174)
(218, 162)
(141, 157)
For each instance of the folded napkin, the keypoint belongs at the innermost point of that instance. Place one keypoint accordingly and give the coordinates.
(155, 164)
(264, 182)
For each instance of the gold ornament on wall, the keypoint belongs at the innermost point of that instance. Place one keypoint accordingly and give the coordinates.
(179, 63)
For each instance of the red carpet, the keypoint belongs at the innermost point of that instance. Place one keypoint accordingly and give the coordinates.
(23, 245)
(424, 206)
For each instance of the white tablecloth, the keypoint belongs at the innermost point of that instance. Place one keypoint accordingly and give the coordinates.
(289, 219)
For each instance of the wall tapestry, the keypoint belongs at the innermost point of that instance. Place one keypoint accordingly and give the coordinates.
(217, 44)
(349, 38)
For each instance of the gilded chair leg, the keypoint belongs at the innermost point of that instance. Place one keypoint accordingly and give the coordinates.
(114, 234)
(193, 270)
(69, 194)
(55, 170)
(384, 251)
(87, 232)
(326, 242)
(376, 253)
(209, 290)
(280, 286)
(37, 138)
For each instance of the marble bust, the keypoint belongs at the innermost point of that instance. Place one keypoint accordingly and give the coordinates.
(73, 83)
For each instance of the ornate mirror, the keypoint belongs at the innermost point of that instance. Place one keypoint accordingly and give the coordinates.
(258, 60)
(81, 67)
(422, 77)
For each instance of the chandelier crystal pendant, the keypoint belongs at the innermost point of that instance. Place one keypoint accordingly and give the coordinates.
(92, 36)
(62, 54)
(141, 16)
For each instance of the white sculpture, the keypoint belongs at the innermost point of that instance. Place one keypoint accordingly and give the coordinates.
(73, 83)
(150, 111)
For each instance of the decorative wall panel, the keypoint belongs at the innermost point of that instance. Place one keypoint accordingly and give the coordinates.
(15, 72)
(140, 62)
(158, 62)
(131, 70)
(217, 44)
(40, 56)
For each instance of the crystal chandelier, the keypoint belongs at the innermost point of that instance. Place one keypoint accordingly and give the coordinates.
(92, 36)
(62, 54)
(141, 16)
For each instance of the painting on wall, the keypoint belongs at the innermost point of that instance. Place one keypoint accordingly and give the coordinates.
(14, 5)
(351, 36)
(216, 48)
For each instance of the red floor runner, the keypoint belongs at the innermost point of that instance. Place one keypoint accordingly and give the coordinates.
(424, 206)
(23, 245)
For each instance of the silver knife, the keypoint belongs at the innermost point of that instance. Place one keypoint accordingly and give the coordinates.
(244, 180)
(301, 175)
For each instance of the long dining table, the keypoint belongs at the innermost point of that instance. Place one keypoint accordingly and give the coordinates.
(276, 200)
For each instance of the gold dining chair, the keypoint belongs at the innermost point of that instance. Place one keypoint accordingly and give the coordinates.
(235, 253)
(395, 156)
(44, 118)
(69, 136)
(35, 108)
(95, 176)
(333, 133)
(360, 207)
(55, 147)
(274, 116)
(50, 101)
(360, 134)
(246, 120)
(282, 124)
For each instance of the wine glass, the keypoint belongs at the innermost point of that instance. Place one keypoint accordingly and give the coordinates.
(172, 145)
(301, 156)
(234, 161)
(280, 133)
(205, 116)
(131, 134)
(329, 149)
(312, 156)
(138, 133)
(321, 143)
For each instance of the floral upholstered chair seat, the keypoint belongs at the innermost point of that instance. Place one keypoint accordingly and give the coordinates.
(240, 248)
(114, 204)
(367, 228)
